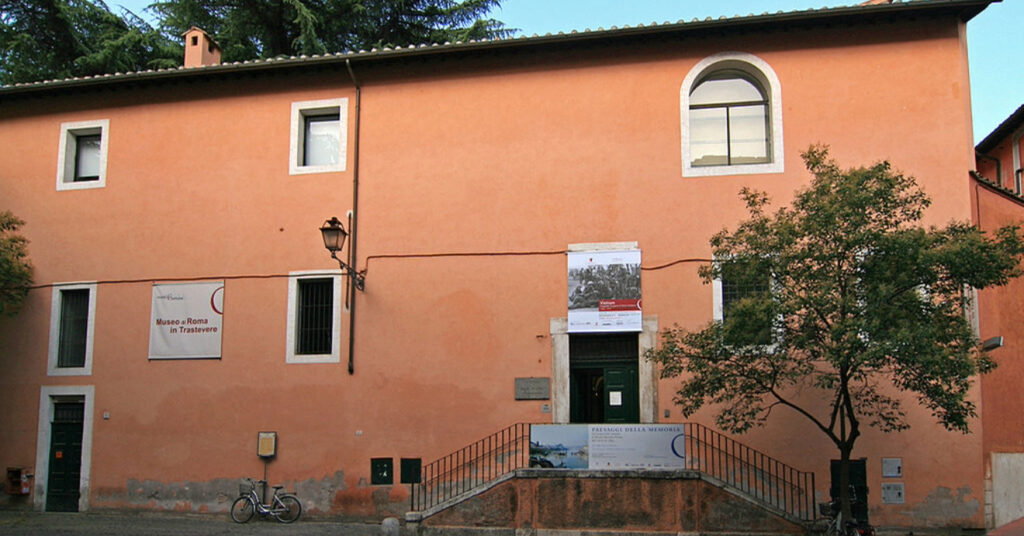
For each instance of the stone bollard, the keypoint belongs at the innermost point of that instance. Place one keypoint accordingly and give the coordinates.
(390, 527)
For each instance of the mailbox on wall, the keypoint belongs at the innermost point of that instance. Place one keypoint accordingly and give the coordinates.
(18, 481)
(266, 445)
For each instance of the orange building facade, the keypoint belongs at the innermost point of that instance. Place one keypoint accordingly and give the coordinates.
(996, 194)
(465, 174)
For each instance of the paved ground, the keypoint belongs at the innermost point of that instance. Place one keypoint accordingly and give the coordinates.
(152, 524)
(1015, 528)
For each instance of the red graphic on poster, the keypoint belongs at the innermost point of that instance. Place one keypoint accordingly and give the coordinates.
(618, 305)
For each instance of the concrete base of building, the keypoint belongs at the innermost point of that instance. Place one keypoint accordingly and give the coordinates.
(550, 502)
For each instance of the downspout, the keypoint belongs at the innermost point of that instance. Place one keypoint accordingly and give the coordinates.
(353, 226)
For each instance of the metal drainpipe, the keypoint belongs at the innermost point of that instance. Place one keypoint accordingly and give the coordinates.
(354, 225)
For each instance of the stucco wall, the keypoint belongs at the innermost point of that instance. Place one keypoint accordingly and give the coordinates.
(499, 153)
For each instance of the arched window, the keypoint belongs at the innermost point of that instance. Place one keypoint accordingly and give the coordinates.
(728, 121)
(731, 107)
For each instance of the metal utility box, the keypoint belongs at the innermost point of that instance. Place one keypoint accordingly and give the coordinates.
(17, 482)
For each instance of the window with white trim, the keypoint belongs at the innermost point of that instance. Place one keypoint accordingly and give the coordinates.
(82, 155)
(731, 117)
(314, 317)
(318, 136)
(72, 325)
(736, 283)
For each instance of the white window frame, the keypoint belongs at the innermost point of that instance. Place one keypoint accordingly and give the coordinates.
(296, 144)
(68, 148)
(48, 396)
(55, 315)
(765, 75)
(292, 324)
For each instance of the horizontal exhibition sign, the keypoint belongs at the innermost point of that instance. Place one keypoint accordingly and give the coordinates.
(186, 321)
(608, 446)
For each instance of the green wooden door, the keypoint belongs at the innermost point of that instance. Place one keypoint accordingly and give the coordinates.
(63, 480)
(621, 393)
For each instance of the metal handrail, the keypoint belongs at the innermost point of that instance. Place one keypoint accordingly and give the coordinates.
(471, 466)
(754, 473)
(760, 476)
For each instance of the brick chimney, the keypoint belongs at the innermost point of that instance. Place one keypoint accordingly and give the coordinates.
(200, 48)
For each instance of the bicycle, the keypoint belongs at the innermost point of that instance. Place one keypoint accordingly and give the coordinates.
(838, 526)
(285, 507)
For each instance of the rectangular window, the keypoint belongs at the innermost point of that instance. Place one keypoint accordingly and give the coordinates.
(318, 136)
(314, 317)
(87, 158)
(321, 140)
(735, 285)
(72, 323)
(74, 327)
(82, 155)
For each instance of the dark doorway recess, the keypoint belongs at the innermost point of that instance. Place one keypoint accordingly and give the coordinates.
(603, 378)
(64, 476)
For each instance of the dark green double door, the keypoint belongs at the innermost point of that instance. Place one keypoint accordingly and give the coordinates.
(64, 476)
(603, 378)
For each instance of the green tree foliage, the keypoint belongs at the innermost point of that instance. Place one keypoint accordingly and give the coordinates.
(55, 39)
(15, 270)
(249, 29)
(867, 309)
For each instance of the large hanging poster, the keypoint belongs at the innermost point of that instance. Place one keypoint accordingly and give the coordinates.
(186, 321)
(604, 291)
(608, 446)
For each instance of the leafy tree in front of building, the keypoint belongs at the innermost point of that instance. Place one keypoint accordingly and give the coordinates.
(15, 269)
(869, 311)
(269, 28)
(57, 39)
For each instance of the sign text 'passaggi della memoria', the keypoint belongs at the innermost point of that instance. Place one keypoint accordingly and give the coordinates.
(608, 446)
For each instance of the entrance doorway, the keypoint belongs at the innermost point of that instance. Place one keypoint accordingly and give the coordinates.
(604, 378)
(63, 479)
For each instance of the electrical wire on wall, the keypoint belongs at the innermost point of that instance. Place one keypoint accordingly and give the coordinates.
(364, 270)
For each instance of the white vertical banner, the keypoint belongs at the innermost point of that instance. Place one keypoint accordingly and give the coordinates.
(186, 321)
(604, 291)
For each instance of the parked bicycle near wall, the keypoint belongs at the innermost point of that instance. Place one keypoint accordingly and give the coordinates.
(840, 526)
(285, 507)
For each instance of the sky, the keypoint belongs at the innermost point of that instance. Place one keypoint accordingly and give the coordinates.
(997, 77)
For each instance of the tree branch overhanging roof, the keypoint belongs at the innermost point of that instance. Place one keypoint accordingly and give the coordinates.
(964, 9)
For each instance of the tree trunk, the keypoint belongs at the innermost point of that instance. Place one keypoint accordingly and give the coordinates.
(845, 503)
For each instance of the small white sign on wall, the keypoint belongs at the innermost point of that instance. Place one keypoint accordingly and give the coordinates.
(892, 467)
(614, 398)
(892, 493)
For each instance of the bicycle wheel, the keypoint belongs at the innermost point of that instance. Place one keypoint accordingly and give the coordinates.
(288, 508)
(242, 510)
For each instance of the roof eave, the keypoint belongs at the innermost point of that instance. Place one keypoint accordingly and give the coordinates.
(964, 9)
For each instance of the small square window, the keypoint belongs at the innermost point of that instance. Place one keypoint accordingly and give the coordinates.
(82, 156)
(318, 136)
(412, 470)
(320, 142)
(382, 471)
(314, 311)
(72, 324)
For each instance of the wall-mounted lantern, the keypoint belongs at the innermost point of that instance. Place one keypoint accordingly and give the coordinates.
(334, 234)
